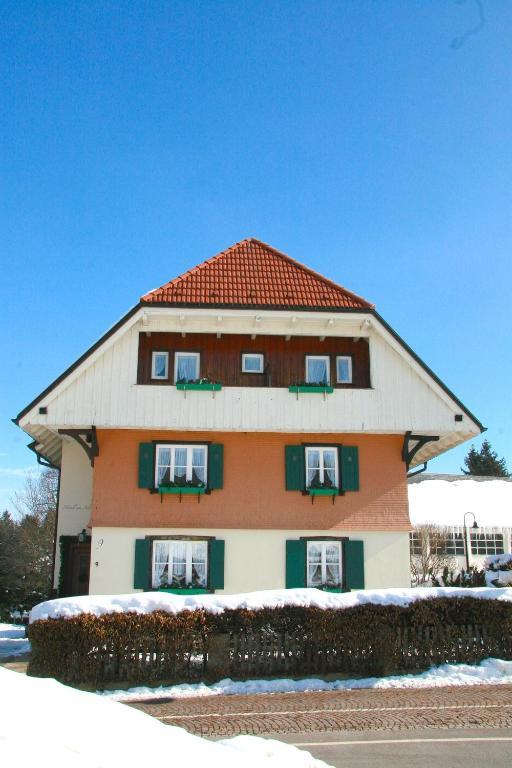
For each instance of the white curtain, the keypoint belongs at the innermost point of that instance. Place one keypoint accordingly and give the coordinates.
(332, 564)
(314, 565)
(329, 467)
(343, 369)
(178, 563)
(161, 568)
(198, 465)
(313, 467)
(317, 372)
(186, 367)
(164, 463)
(180, 465)
(199, 549)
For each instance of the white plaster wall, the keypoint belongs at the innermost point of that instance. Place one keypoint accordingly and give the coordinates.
(75, 498)
(253, 559)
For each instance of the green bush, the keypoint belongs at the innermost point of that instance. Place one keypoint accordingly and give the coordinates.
(363, 640)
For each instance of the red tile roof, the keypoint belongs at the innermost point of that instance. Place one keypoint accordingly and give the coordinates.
(252, 274)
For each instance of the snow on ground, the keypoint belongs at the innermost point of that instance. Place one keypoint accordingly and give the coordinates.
(444, 502)
(488, 672)
(146, 602)
(73, 728)
(13, 641)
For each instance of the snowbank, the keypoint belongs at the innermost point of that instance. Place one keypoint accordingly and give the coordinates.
(13, 641)
(73, 728)
(488, 672)
(444, 502)
(146, 602)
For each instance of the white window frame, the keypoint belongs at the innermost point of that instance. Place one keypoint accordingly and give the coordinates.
(261, 358)
(323, 560)
(189, 448)
(322, 468)
(183, 352)
(348, 358)
(319, 357)
(188, 560)
(153, 366)
(487, 541)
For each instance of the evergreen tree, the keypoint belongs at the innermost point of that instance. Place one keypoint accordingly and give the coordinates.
(26, 544)
(485, 462)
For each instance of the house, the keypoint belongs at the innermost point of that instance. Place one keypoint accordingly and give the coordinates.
(249, 425)
(474, 515)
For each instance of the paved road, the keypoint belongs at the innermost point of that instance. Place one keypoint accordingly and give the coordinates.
(460, 748)
(483, 706)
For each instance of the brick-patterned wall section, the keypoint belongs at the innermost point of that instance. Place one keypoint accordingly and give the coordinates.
(254, 494)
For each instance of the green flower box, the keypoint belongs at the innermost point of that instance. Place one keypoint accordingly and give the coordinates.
(311, 388)
(184, 590)
(182, 489)
(208, 386)
(323, 491)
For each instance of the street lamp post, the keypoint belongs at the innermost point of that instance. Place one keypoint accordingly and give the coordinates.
(466, 537)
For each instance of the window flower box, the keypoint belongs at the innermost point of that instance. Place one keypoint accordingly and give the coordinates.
(323, 491)
(182, 489)
(324, 389)
(208, 386)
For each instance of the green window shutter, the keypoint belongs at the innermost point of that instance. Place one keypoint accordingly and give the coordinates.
(215, 466)
(146, 465)
(354, 564)
(216, 564)
(295, 563)
(294, 465)
(349, 461)
(141, 572)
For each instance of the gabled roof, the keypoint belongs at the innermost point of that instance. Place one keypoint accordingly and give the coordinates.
(254, 275)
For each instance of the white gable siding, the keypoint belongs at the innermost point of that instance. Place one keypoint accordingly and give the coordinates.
(103, 392)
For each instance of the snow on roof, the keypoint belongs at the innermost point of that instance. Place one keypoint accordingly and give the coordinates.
(146, 602)
(75, 728)
(443, 500)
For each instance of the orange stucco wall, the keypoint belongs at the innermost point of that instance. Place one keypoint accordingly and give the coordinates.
(254, 494)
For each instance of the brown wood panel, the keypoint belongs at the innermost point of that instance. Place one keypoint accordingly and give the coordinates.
(221, 359)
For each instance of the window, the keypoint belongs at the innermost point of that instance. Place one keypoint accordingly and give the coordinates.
(318, 369)
(252, 363)
(324, 564)
(486, 543)
(159, 365)
(180, 564)
(343, 369)
(451, 544)
(180, 464)
(322, 467)
(186, 366)
(415, 543)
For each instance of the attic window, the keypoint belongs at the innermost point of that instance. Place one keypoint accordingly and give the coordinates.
(160, 365)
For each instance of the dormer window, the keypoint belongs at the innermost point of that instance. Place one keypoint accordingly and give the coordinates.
(186, 366)
(252, 362)
(318, 369)
(160, 365)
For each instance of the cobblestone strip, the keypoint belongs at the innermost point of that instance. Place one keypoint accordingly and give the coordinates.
(364, 710)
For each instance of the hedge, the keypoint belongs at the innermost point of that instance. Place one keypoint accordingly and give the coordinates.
(363, 640)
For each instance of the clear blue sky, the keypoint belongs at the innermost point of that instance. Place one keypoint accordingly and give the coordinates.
(139, 138)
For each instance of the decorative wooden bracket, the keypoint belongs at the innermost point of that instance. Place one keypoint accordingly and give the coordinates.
(41, 460)
(412, 444)
(87, 439)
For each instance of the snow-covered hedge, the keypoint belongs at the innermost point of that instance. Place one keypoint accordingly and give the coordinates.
(148, 602)
(157, 637)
